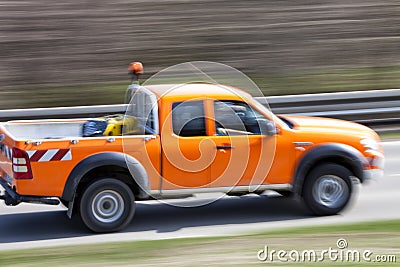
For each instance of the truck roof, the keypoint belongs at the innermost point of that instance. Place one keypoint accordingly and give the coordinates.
(197, 90)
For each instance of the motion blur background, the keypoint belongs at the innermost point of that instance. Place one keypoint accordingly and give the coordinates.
(61, 53)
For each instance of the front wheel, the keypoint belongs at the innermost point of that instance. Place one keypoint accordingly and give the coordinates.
(327, 189)
(107, 205)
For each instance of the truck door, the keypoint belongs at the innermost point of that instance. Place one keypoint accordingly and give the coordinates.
(243, 155)
(187, 150)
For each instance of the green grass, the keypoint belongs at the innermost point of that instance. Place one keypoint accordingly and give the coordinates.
(380, 237)
(390, 136)
(387, 226)
(282, 83)
(329, 80)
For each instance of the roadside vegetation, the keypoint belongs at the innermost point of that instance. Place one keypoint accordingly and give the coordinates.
(382, 238)
(298, 82)
(389, 136)
(77, 52)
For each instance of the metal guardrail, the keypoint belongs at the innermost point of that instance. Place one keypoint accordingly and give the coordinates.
(374, 102)
(374, 107)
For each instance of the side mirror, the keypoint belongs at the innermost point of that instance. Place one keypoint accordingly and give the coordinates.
(267, 127)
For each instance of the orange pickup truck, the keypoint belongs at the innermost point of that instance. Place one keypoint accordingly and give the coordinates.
(184, 139)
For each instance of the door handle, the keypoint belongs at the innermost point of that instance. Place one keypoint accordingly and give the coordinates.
(225, 147)
(148, 138)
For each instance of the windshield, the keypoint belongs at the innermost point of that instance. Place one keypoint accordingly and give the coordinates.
(260, 104)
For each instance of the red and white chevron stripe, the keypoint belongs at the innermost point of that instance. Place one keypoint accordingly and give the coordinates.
(41, 155)
(49, 155)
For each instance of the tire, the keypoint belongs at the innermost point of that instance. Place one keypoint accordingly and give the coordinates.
(327, 189)
(107, 205)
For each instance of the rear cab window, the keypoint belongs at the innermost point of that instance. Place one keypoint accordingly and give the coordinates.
(141, 116)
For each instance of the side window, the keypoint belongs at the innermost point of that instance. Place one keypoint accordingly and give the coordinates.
(188, 118)
(236, 118)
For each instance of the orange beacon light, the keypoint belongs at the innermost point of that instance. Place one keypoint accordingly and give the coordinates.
(135, 69)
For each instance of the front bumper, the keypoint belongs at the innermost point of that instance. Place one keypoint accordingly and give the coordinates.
(376, 161)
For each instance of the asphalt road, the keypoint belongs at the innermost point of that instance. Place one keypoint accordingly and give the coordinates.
(29, 225)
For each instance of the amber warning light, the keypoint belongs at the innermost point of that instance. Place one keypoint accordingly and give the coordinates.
(135, 69)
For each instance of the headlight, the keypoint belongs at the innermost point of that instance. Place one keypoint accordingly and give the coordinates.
(370, 144)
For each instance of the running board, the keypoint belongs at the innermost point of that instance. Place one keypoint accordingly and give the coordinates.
(227, 189)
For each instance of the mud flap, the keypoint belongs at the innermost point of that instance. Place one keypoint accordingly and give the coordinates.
(70, 208)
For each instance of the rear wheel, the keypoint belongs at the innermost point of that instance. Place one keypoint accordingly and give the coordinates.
(107, 205)
(327, 189)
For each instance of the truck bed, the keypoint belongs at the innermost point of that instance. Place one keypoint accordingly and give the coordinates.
(44, 129)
